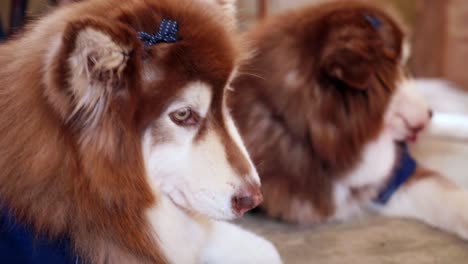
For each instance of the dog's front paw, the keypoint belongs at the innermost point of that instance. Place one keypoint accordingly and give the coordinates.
(230, 244)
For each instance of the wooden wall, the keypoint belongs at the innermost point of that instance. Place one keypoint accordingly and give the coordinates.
(439, 27)
(34, 7)
(441, 41)
(438, 31)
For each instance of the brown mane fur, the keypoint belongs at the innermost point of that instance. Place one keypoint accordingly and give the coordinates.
(67, 179)
(313, 94)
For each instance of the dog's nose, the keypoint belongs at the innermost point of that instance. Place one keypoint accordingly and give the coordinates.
(431, 114)
(245, 202)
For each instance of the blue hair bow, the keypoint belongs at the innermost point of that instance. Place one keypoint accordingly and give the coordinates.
(167, 33)
(374, 21)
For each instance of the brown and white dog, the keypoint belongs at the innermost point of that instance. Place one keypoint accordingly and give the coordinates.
(323, 105)
(127, 148)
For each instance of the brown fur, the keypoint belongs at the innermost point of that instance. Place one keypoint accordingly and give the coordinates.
(423, 173)
(62, 176)
(313, 94)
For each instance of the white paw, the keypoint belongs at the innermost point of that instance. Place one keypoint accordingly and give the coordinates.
(231, 244)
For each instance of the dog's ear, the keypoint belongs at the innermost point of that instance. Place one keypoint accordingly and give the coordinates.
(92, 77)
(94, 64)
(350, 65)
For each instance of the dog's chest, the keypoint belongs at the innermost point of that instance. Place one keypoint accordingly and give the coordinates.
(362, 184)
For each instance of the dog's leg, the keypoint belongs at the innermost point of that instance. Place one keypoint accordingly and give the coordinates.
(230, 244)
(434, 200)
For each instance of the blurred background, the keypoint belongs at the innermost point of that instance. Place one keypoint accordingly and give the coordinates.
(439, 28)
(439, 36)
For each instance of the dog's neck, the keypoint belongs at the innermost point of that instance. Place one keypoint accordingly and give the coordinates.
(377, 162)
(173, 226)
(364, 182)
(405, 167)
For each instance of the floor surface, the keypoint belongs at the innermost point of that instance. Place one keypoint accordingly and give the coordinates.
(374, 239)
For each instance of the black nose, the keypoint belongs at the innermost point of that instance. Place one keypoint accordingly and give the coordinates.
(431, 114)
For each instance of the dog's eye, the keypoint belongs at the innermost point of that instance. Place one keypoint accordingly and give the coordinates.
(184, 117)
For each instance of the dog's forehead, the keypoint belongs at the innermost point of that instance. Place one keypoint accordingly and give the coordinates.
(202, 53)
(203, 47)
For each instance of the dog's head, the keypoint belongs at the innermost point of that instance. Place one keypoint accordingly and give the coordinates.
(335, 78)
(361, 81)
(366, 52)
(132, 103)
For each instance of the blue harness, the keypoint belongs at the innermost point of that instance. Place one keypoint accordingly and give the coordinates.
(403, 172)
(18, 244)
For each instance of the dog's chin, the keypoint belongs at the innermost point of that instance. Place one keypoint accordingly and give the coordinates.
(216, 214)
(224, 217)
(212, 213)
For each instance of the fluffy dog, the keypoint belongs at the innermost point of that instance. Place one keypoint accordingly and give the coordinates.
(324, 107)
(114, 136)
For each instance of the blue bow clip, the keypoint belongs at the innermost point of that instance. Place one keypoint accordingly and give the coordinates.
(375, 22)
(167, 33)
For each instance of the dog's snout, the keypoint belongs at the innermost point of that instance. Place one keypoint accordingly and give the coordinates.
(245, 202)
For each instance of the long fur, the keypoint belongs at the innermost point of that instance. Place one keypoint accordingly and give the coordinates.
(321, 106)
(78, 90)
(304, 127)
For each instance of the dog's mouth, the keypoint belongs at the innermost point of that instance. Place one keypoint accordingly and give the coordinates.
(412, 132)
(182, 201)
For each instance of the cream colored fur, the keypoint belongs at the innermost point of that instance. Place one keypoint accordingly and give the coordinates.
(197, 183)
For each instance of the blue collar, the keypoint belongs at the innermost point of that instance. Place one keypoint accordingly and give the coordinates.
(403, 172)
